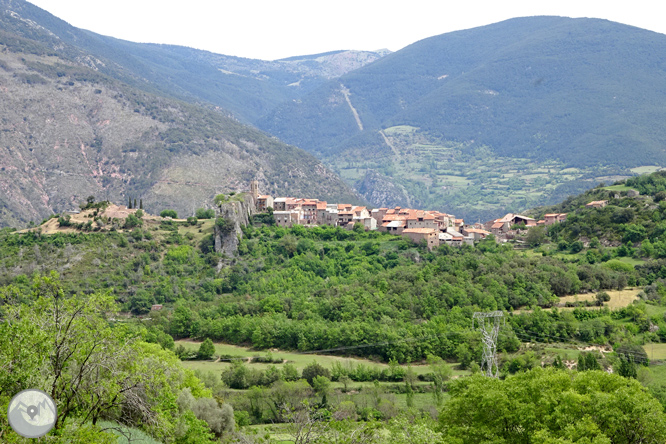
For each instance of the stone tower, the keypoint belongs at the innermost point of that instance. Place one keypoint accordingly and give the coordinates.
(254, 189)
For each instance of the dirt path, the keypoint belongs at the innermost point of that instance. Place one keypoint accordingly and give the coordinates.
(388, 142)
(345, 92)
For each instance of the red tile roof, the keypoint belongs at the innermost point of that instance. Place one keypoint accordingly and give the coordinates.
(420, 230)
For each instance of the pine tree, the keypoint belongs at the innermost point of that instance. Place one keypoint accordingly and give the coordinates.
(134, 203)
(129, 203)
(141, 204)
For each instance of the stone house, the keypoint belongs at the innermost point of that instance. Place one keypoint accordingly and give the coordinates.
(429, 235)
(287, 218)
(264, 202)
(554, 218)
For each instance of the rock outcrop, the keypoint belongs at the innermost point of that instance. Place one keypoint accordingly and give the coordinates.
(236, 213)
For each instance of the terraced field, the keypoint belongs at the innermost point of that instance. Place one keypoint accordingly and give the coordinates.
(468, 180)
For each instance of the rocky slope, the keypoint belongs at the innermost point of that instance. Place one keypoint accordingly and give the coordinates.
(68, 131)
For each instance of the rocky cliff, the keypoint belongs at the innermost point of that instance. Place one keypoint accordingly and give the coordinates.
(235, 214)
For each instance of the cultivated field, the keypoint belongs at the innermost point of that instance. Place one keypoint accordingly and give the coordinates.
(619, 298)
(655, 351)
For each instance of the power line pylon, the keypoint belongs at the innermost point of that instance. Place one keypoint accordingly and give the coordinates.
(489, 325)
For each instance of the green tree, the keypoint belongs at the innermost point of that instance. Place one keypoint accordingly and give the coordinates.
(90, 369)
(206, 349)
(587, 361)
(321, 386)
(441, 373)
(311, 371)
(132, 221)
(202, 213)
(169, 213)
(536, 236)
(551, 405)
(627, 367)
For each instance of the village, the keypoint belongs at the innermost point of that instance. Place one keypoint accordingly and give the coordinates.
(433, 228)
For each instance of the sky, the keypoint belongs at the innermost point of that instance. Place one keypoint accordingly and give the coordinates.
(274, 29)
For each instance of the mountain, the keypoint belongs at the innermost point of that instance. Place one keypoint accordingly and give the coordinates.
(69, 130)
(248, 88)
(581, 93)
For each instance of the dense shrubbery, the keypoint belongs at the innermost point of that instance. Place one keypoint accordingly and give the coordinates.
(323, 288)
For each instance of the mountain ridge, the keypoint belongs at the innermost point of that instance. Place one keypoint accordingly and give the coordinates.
(68, 130)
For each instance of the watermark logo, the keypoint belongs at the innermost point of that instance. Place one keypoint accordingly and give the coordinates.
(32, 413)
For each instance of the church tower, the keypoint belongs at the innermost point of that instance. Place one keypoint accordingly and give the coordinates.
(254, 189)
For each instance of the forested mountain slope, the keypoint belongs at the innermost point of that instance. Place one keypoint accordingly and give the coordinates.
(578, 90)
(249, 88)
(498, 118)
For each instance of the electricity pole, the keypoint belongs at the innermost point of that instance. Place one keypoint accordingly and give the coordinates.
(489, 325)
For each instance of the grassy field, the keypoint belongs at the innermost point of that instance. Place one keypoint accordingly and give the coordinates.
(617, 188)
(203, 228)
(646, 169)
(300, 360)
(655, 351)
(619, 298)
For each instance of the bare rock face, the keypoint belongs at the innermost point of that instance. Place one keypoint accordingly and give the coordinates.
(382, 191)
(236, 214)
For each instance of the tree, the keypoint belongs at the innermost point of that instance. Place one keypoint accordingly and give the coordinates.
(169, 213)
(132, 221)
(602, 297)
(206, 349)
(587, 361)
(203, 213)
(536, 236)
(441, 373)
(627, 367)
(321, 386)
(554, 406)
(311, 371)
(90, 369)
(141, 204)
(289, 372)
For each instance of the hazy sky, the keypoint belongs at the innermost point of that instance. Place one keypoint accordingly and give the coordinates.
(272, 29)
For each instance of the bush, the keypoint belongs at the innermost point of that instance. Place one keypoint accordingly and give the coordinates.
(169, 213)
(192, 220)
(202, 213)
(313, 370)
(224, 225)
(132, 221)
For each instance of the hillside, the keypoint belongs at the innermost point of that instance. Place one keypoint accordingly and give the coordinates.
(575, 92)
(248, 88)
(291, 307)
(68, 131)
